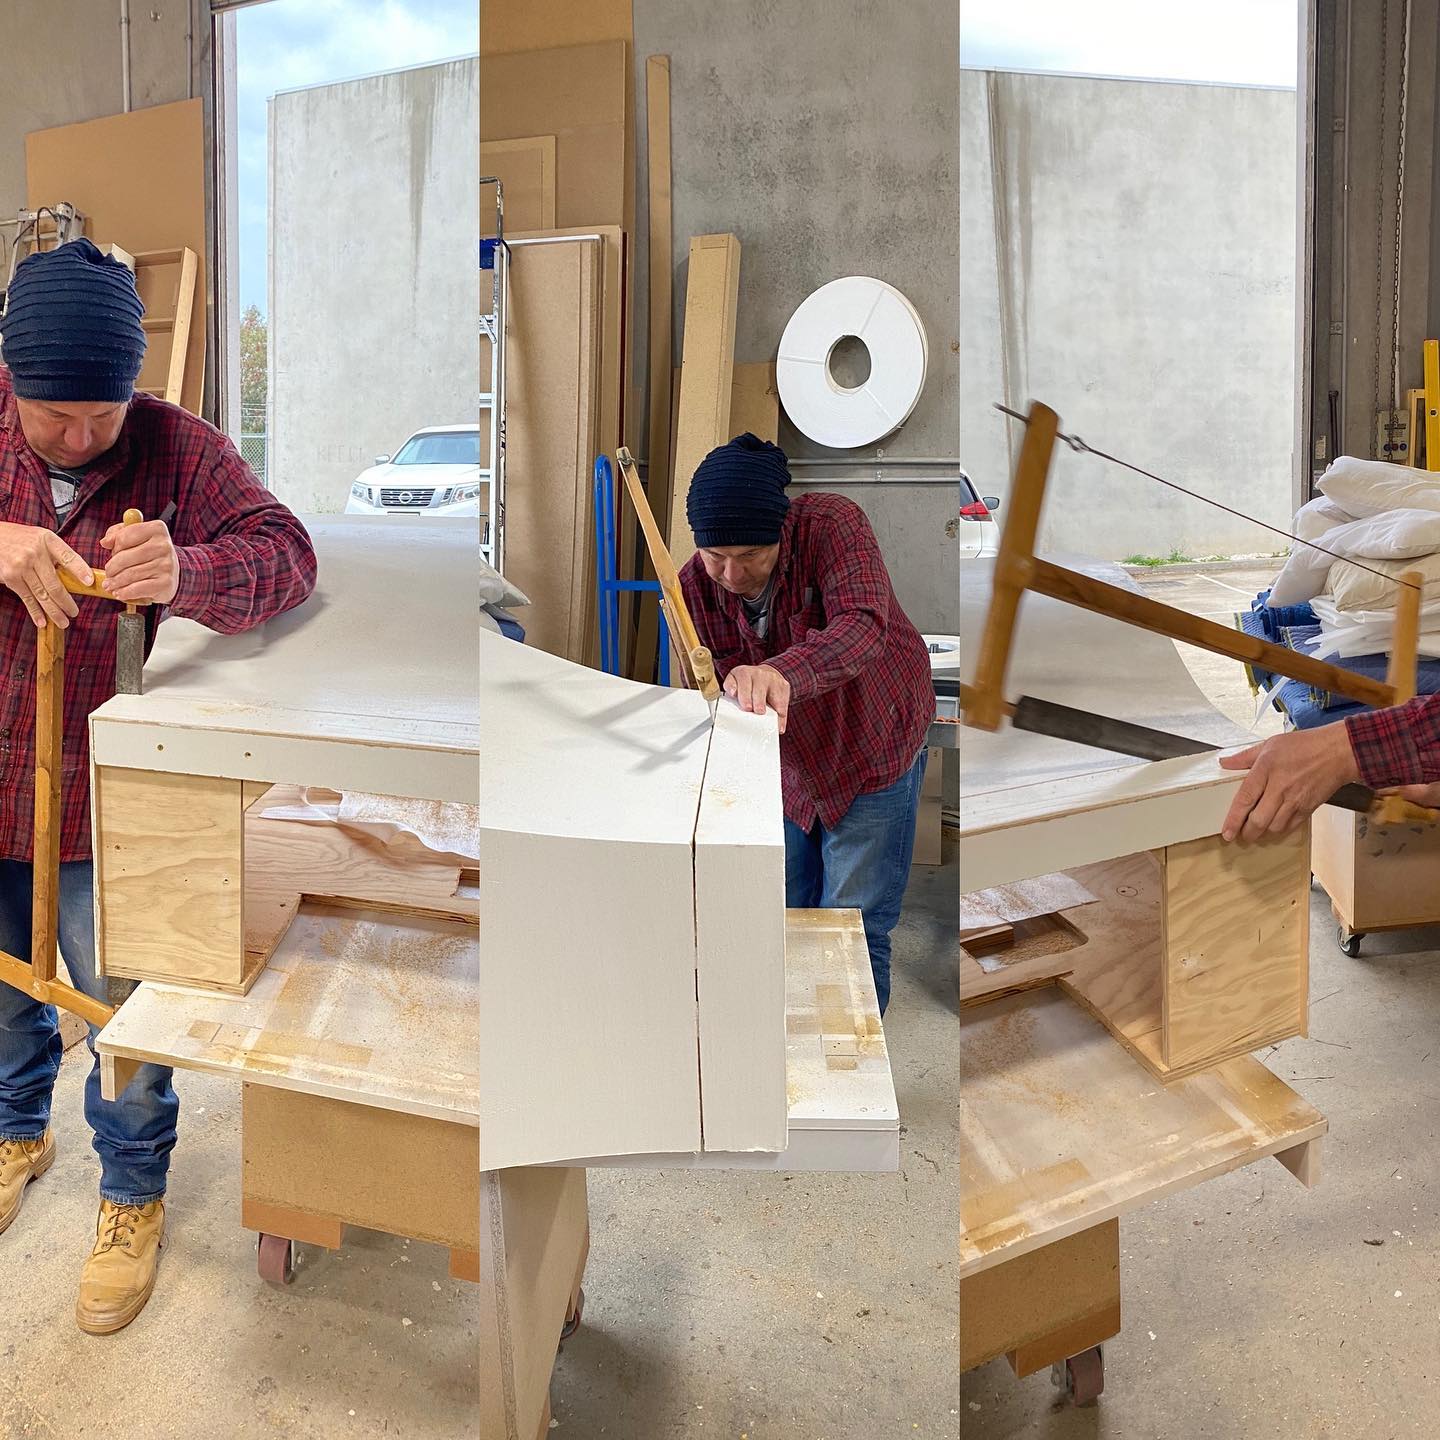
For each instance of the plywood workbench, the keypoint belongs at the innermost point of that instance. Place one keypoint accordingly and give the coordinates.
(1118, 963)
(331, 970)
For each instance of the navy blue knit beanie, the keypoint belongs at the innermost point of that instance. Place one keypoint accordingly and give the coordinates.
(737, 495)
(71, 329)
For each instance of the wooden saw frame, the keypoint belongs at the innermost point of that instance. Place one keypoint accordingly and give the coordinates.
(697, 667)
(1018, 569)
(37, 977)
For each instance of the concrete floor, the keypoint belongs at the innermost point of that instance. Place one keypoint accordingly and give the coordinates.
(804, 1307)
(1253, 1307)
(374, 1339)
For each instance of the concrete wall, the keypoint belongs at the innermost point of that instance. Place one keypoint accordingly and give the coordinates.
(824, 137)
(1128, 256)
(374, 288)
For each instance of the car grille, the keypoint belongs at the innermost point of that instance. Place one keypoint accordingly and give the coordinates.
(401, 499)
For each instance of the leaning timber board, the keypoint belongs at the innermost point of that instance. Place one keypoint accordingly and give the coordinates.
(361, 1003)
(1033, 804)
(1061, 1129)
(599, 886)
(842, 1113)
(369, 685)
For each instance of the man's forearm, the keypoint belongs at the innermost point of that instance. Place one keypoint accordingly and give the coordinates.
(1399, 746)
(241, 580)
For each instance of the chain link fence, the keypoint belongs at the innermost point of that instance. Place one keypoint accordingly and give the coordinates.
(254, 439)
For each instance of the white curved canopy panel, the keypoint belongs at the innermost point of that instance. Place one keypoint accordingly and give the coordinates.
(632, 917)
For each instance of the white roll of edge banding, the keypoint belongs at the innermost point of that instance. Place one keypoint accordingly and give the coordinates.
(846, 417)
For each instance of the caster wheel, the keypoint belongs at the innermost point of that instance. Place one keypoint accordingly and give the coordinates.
(1081, 1377)
(276, 1260)
(572, 1320)
(1349, 941)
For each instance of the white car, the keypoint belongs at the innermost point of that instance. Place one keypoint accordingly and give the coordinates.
(979, 533)
(435, 472)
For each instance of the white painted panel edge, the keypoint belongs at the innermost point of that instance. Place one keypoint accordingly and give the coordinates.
(410, 769)
(740, 936)
(1021, 852)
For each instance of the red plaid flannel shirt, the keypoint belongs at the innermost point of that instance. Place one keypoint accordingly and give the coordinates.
(243, 558)
(838, 632)
(1399, 746)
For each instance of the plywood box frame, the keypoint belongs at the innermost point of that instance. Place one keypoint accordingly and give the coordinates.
(1190, 954)
(173, 770)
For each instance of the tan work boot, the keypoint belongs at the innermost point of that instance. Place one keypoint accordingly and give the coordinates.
(120, 1273)
(21, 1161)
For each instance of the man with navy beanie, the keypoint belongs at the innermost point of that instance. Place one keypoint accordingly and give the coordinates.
(794, 602)
(78, 447)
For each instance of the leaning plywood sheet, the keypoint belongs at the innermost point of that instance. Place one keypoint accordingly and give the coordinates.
(590, 787)
(139, 180)
(707, 367)
(369, 685)
(1060, 1129)
(362, 1003)
(740, 852)
(553, 367)
(840, 1092)
(1033, 804)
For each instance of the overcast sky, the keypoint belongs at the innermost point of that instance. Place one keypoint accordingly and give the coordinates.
(1235, 42)
(285, 44)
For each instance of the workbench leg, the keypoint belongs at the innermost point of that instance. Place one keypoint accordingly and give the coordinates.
(1303, 1162)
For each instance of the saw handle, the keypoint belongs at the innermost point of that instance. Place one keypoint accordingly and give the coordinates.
(1385, 809)
(131, 517)
(96, 588)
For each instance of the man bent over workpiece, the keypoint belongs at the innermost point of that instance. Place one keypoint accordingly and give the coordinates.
(796, 606)
(78, 447)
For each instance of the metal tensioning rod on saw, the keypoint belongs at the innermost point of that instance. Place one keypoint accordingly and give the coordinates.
(696, 664)
(37, 978)
(1018, 569)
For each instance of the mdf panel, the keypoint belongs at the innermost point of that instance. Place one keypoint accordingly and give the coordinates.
(526, 171)
(510, 25)
(533, 1242)
(755, 401)
(1069, 1288)
(328, 1159)
(707, 367)
(553, 369)
(139, 179)
(583, 95)
(169, 856)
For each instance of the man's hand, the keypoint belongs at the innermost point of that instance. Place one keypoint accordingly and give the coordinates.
(756, 686)
(28, 560)
(143, 564)
(1290, 777)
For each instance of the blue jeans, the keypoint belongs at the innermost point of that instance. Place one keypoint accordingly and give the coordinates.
(133, 1135)
(862, 864)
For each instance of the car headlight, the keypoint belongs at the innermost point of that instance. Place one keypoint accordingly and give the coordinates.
(461, 492)
(362, 492)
